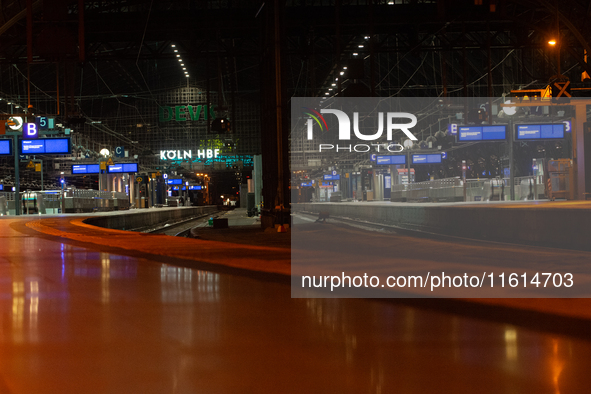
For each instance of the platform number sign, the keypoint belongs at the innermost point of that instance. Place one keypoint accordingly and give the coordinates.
(42, 122)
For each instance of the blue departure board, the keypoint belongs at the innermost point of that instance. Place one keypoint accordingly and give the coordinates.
(123, 168)
(5, 147)
(391, 159)
(48, 146)
(433, 158)
(540, 131)
(482, 133)
(86, 169)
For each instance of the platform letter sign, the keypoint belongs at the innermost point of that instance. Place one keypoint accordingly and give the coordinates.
(119, 151)
(30, 130)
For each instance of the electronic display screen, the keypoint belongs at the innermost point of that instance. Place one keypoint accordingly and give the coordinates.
(470, 133)
(123, 167)
(53, 146)
(116, 168)
(540, 131)
(494, 133)
(332, 177)
(1, 187)
(79, 169)
(195, 187)
(5, 147)
(426, 159)
(391, 160)
(86, 169)
(130, 167)
(175, 181)
(483, 133)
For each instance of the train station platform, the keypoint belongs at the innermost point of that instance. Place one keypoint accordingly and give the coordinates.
(95, 309)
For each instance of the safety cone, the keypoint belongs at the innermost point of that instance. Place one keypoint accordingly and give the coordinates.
(281, 229)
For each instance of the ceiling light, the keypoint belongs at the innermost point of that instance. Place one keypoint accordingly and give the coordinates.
(366, 37)
(326, 93)
(184, 68)
(173, 45)
(180, 60)
(178, 55)
(342, 73)
(187, 75)
(360, 46)
(344, 68)
(552, 42)
(176, 50)
(355, 54)
(330, 89)
(182, 64)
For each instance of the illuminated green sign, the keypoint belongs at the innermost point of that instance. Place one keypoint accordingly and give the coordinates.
(183, 113)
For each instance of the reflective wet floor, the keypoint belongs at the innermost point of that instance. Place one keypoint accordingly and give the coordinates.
(77, 320)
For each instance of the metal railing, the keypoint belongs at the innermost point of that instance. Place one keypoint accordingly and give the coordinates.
(79, 200)
(454, 189)
(68, 201)
(447, 189)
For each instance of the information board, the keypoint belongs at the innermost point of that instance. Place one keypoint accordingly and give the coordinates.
(391, 160)
(123, 168)
(49, 146)
(482, 133)
(332, 177)
(540, 131)
(175, 181)
(195, 187)
(433, 158)
(5, 147)
(86, 169)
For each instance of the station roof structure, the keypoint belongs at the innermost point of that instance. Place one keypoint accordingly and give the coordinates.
(98, 58)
